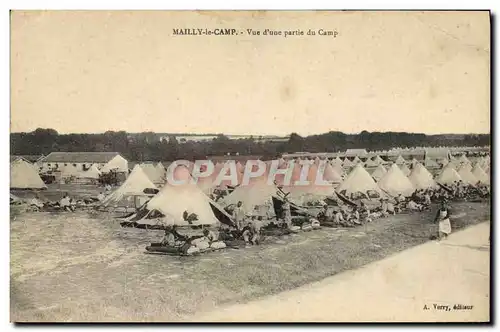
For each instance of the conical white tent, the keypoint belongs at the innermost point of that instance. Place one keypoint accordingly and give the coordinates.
(421, 178)
(400, 160)
(487, 162)
(174, 200)
(314, 188)
(379, 160)
(467, 166)
(117, 164)
(467, 175)
(484, 162)
(371, 163)
(336, 161)
(256, 194)
(356, 160)
(69, 170)
(454, 163)
(358, 180)
(133, 187)
(24, 176)
(395, 182)
(348, 163)
(92, 173)
(480, 175)
(155, 174)
(479, 162)
(448, 175)
(162, 172)
(339, 169)
(331, 174)
(406, 171)
(379, 172)
(463, 159)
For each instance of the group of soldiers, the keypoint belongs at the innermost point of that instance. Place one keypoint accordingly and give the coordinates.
(345, 216)
(349, 216)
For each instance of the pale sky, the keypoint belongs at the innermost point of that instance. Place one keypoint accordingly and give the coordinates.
(96, 71)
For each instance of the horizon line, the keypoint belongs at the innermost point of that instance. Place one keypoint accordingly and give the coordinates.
(255, 135)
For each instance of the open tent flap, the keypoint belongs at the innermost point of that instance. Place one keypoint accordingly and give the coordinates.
(294, 208)
(346, 200)
(156, 217)
(449, 190)
(222, 214)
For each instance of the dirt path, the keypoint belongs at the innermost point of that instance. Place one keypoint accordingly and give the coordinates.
(452, 272)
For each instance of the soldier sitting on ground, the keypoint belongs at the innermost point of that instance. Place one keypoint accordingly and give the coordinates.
(251, 234)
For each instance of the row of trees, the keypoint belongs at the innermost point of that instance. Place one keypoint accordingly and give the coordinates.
(147, 146)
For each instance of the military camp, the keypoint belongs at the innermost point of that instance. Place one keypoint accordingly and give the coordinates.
(303, 211)
(303, 166)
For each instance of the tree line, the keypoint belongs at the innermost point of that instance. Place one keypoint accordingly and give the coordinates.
(148, 147)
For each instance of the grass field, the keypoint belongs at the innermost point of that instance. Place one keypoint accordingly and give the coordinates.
(84, 267)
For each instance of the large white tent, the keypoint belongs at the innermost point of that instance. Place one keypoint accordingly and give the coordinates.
(480, 175)
(24, 176)
(339, 169)
(371, 163)
(154, 173)
(448, 175)
(256, 195)
(414, 162)
(358, 180)
(131, 192)
(336, 161)
(173, 201)
(348, 163)
(394, 182)
(379, 172)
(463, 159)
(162, 172)
(379, 160)
(330, 173)
(400, 160)
(421, 178)
(466, 175)
(406, 171)
(92, 173)
(318, 187)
